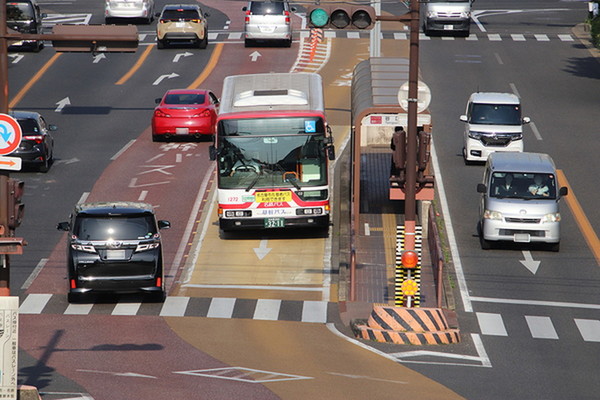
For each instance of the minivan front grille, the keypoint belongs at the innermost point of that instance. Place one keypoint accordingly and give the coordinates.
(523, 220)
(496, 140)
(512, 232)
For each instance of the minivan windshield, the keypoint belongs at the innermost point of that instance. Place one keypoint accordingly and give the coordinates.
(266, 8)
(449, 1)
(495, 114)
(520, 185)
(19, 11)
(110, 228)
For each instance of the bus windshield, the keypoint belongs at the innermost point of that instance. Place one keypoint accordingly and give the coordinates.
(271, 126)
(247, 162)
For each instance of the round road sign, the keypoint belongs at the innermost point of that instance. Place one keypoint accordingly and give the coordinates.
(10, 134)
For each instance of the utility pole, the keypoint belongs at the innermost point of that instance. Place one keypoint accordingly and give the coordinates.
(68, 38)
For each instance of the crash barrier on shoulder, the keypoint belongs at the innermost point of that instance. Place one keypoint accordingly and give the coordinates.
(417, 326)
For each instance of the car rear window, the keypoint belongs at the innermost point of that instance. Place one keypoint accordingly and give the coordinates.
(176, 15)
(109, 228)
(28, 126)
(266, 8)
(185, 98)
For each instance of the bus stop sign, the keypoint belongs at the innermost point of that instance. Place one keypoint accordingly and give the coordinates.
(10, 134)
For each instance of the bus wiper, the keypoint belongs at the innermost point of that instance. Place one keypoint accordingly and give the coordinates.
(291, 179)
(254, 181)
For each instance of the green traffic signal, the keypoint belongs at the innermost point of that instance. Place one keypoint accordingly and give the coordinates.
(319, 17)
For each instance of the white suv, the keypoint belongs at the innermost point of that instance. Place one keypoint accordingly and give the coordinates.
(493, 123)
(268, 21)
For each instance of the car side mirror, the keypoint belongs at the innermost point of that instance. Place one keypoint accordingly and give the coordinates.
(463, 118)
(563, 191)
(52, 127)
(157, 14)
(526, 120)
(481, 188)
(212, 153)
(244, 8)
(330, 152)
(293, 9)
(157, 101)
(63, 226)
(206, 15)
(162, 224)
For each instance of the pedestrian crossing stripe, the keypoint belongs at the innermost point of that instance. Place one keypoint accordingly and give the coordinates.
(540, 327)
(180, 306)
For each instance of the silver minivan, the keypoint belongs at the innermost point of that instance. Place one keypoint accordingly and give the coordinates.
(519, 200)
(447, 16)
(268, 21)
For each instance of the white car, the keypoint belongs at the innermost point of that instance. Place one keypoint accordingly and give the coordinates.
(135, 9)
(268, 21)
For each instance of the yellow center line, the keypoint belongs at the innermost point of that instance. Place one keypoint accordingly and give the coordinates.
(582, 221)
(212, 63)
(136, 66)
(33, 80)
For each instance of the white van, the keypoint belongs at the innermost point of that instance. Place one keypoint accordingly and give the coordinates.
(493, 123)
(519, 200)
(445, 16)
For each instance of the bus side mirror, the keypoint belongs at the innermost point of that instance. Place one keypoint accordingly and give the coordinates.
(481, 188)
(330, 152)
(212, 153)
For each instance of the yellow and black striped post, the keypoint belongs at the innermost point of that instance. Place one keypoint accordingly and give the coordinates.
(407, 286)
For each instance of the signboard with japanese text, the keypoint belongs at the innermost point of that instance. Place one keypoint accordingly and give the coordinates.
(9, 349)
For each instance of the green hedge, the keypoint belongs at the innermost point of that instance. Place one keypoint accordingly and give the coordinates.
(595, 31)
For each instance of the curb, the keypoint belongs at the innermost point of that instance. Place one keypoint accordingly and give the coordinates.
(417, 326)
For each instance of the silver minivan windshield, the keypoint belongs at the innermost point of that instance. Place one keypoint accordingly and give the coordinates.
(495, 114)
(520, 185)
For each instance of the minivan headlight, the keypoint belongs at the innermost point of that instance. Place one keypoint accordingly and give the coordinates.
(475, 135)
(489, 214)
(431, 14)
(465, 14)
(552, 217)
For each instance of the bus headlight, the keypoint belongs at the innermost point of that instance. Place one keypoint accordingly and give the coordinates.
(309, 211)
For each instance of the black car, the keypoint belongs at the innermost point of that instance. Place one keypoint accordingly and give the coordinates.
(37, 146)
(24, 16)
(114, 247)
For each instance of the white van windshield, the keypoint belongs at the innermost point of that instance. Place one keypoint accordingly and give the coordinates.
(520, 185)
(495, 114)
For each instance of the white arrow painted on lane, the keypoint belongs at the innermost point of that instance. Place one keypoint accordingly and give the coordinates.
(67, 161)
(254, 56)
(130, 374)
(160, 78)
(262, 250)
(16, 57)
(178, 56)
(61, 104)
(98, 58)
(529, 263)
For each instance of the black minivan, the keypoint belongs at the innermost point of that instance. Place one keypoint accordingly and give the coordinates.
(24, 16)
(114, 247)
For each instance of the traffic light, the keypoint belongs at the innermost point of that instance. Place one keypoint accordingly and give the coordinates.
(95, 38)
(16, 209)
(341, 16)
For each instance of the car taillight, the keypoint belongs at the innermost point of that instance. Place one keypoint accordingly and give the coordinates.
(161, 113)
(203, 113)
(195, 21)
(248, 14)
(35, 138)
(287, 17)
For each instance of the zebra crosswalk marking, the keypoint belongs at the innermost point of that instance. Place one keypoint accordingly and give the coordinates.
(541, 327)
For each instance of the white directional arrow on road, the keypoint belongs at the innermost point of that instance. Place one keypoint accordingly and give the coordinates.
(178, 56)
(67, 161)
(262, 250)
(254, 56)
(61, 104)
(160, 78)
(529, 263)
(130, 374)
(16, 57)
(98, 58)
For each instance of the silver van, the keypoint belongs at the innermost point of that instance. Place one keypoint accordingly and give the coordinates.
(447, 16)
(268, 21)
(493, 122)
(519, 200)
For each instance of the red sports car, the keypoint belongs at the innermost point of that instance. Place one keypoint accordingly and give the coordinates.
(185, 113)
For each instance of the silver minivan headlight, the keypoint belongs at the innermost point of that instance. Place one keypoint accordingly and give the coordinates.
(551, 217)
(489, 214)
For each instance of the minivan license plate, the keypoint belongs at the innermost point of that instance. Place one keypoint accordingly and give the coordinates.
(522, 238)
(115, 254)
(274, 222)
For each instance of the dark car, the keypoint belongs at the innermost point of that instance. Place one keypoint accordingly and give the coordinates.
(24, 16)
(37, 146)
(114, 247)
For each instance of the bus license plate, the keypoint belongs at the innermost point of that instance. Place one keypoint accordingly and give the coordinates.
(274, 222)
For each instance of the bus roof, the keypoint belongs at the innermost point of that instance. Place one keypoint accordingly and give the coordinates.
(273, 92)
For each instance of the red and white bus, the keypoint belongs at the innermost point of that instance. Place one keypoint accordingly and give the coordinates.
(272, 147)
